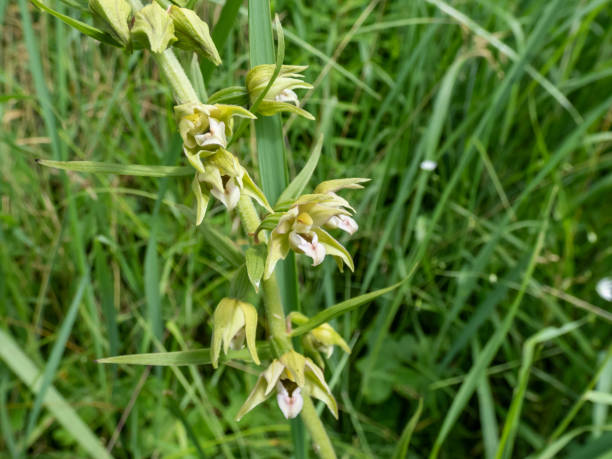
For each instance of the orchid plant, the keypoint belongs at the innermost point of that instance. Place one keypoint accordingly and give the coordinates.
(298, 222)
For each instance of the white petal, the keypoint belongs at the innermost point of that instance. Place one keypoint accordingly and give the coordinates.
(230, 197)
(290, 405)
(313, 249)
(343, 222)
(604, 288)
(214, 137)
(287, 95)
(428, 165)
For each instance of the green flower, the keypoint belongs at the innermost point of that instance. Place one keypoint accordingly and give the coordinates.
(281, 96)
(221, 175)
(301, 227)
(321, 339)
(233, 320)
(290, 376)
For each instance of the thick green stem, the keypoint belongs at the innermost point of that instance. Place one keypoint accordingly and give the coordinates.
(171, 67)
(181, 86)
(322, 443)
(276, 316)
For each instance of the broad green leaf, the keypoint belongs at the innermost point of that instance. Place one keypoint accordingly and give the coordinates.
(82, 27)
(96, 167)
(340, 308)
(297, 185)
(180, 358)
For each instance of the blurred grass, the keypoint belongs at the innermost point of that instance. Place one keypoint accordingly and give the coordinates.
(482, 88)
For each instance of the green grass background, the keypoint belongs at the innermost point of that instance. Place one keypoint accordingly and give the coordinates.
(496, 346)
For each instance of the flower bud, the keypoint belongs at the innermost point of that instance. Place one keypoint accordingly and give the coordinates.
(114, 17)
(153, 29)
(233, 320)
(193, 34)
(280, 97)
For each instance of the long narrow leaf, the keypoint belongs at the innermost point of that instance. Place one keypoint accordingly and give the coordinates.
(96, 167)
(341, 308)
(180, 358)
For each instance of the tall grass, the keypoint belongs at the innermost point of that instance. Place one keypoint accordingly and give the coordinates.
(495, 345)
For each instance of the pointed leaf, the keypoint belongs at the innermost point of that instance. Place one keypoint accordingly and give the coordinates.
(179, 358)
(340, 308)
(297, 185)
(96, 167)
(82, 27)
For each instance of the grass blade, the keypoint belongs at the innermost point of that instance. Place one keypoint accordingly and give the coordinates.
(55, 356)
(489, 351)
(506, 443)
(25, 369)
(401, 450)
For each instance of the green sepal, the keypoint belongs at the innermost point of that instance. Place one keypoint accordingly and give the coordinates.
(234, 95)
(153, 29)
(201, 200)
(331, 186)
(270, 108)
(192, 34)
(335, 249)
(114, 16)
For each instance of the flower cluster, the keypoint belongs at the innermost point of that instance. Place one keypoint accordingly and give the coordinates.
(204, 130)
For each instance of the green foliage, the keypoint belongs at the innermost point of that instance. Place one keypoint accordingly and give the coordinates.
(476, 350)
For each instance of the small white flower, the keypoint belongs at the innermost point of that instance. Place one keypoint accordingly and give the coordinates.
(343, 222)
(428, 165)
(311, 248)
(287, 95)
(604, 288)
(214, 137)
(289, 403)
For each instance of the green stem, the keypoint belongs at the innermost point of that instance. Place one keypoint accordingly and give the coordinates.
(322, 443)
(182, 87)
(171, 67)
(276, 316)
